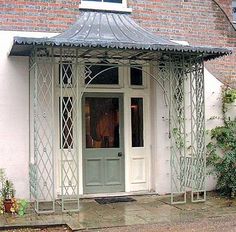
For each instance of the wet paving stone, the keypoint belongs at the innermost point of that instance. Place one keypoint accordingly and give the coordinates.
(145, 211)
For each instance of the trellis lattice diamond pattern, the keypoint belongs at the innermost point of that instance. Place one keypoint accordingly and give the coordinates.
(43, 131)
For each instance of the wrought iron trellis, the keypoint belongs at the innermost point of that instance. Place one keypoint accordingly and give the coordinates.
(184, 74)
(68, 130)
(198, 132)
(177, 128)
(180, 76)
(42, 160)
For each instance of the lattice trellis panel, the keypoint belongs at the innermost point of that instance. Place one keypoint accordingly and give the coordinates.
(42, 171)
(32, 167)
(69, 130)
(198, 132)
(177, 128)
(187, 172)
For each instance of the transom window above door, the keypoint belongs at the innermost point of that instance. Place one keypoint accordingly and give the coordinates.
(110, 5)
(102, 74)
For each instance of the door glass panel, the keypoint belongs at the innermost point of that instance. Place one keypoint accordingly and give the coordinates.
(102, 122)
(137, 122)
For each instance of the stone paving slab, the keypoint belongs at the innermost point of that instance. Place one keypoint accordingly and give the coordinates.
(146, 210)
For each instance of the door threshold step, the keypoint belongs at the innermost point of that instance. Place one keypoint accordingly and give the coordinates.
(118, 194)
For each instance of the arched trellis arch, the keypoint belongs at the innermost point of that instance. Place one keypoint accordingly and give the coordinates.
(179, 75)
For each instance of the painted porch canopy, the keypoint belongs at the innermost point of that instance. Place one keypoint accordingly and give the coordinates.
(96, 29)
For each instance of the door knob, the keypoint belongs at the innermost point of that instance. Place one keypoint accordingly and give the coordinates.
(120, 154)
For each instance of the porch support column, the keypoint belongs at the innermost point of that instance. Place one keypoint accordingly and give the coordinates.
(177, 127)
(69, 122)
(187, 127)
(198, 164)
(42, 154)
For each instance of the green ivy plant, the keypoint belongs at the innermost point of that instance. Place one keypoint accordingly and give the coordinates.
(2, 177)
(1, 206)
(22, 206)
(179, 141)
(229, 95)
(19, 206)
(221, 151)
(8, 190)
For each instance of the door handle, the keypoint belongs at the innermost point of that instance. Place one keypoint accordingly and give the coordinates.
(120, 154)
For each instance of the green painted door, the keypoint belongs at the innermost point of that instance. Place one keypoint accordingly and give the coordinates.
(103, 145)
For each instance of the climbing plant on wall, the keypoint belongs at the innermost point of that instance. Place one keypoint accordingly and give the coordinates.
(221, 151)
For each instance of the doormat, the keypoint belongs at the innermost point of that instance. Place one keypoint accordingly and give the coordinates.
(110, 200)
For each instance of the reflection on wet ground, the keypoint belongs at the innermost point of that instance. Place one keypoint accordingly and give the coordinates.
(148, 209)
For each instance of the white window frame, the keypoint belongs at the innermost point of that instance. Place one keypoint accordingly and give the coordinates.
(107, 6)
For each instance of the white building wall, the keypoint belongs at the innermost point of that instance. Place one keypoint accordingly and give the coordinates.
(213, 106)
(160, 176)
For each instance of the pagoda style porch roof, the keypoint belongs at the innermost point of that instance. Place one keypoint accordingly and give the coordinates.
(113, 31)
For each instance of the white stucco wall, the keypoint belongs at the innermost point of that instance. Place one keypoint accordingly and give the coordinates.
(14, 113)
(160, 175)
(231, 111)
(213, 113)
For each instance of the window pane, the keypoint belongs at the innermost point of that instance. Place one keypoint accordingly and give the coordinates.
(105, 75)
(67, 74)
(67, 123)
(102, 122)
(136, 76)
(137, 122)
